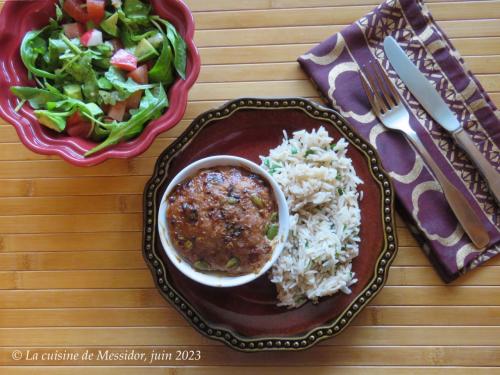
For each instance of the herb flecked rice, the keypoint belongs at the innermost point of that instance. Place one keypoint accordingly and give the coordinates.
(319, 182)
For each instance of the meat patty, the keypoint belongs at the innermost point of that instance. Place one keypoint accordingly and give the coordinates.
(222, 219)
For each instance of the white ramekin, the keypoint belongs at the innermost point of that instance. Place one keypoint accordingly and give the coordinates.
(219, 279)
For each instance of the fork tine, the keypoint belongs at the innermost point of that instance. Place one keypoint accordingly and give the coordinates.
(382, 79)
(394, 96)
(369, 94)
(393, 89)
(376, 91)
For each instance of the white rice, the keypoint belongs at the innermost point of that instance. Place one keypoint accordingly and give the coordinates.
(320, 183)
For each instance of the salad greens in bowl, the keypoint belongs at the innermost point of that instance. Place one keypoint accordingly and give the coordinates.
(101, 78)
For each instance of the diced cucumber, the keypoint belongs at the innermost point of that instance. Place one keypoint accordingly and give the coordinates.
(54, 121)
(156, 40)
(104, 83)
(145, 51)
(110, 25)
(103, 63)
(73, 91)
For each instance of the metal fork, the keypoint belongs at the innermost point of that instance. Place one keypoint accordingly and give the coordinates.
(387, 106)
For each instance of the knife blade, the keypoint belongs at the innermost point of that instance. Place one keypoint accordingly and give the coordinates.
(431, 100)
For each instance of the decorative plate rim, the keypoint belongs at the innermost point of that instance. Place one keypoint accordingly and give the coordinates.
(225, 335)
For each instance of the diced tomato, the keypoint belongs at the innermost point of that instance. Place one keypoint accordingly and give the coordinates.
(117, 44)
(134, 100)
(80, 129)
(74, 118)
(95, 10)
(86, 37)
(123, 59)
(117, 112)
(140, 75)
(78, 126)
(73, 30)
(75, 10)
(91, 38)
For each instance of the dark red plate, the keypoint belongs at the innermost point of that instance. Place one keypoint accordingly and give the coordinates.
(246, 317)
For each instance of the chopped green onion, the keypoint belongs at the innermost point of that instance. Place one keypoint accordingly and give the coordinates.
(233, 262)
(309, 152)
(232, 200)
(257, 201)
(201, 265)
(272, 231)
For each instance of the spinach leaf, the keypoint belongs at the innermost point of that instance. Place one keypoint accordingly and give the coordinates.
(31, 48)
(37, 98)
(178, 44)
(56, 48)
(126, 34)
(51, 88)
(114, 76)
(145, 35)
(71, 105)
(102, 55)
(133, 29)
(90, 89)
(148, 100)
(90, 108)
(162, 70)
(151, 105)
(104, 83)
(135, 23)
(107, 97)
(39, 45)
(100, 132)
(103, 63)
(81, 69)
(73, 44)
(124, 87)
(105, 49)
(179, 50)
(136, 9)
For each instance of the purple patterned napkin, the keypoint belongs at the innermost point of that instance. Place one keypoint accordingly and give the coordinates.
(333, 67)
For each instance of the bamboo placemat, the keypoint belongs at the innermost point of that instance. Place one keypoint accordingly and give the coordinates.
(72, 275)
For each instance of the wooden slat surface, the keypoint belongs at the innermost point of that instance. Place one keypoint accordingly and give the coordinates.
(72, 277)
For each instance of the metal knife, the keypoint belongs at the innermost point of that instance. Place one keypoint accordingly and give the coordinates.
(432, 102)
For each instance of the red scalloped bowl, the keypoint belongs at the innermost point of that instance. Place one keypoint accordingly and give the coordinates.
(19, 17)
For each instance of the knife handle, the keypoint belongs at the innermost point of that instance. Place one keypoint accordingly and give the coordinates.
(489, 172)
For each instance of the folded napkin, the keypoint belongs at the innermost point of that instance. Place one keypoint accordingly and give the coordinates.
(333, 67)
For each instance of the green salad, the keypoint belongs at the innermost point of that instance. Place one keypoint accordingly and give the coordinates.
(102, 69)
